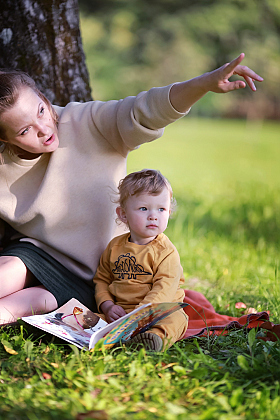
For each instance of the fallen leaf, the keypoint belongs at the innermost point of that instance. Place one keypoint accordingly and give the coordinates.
(46, 375)
(105, 376)
(152, 410)
(126, 396)
(169, 365)
(94, 414)
(46, 351)
(10, 350)
(240, 305)
(55, 365)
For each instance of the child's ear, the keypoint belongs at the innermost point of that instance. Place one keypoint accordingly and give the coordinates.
(121, 214)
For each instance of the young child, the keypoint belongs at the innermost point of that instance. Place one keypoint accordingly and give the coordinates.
(143, 266)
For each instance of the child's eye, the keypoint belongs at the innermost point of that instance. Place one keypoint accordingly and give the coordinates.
(161, 209)
(143, 208)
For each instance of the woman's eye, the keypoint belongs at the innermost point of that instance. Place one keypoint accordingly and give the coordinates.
(24, 131)
(42, 110)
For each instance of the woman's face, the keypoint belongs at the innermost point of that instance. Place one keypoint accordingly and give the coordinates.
(29, 126)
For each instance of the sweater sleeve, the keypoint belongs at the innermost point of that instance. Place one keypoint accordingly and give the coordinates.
(166, 281)
(124, 124)
(142, 118)
(130, 122)
(102, 279)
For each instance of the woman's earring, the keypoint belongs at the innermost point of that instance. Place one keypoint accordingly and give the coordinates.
(2, 146)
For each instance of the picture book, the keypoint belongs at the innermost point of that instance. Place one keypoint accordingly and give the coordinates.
(76, 324)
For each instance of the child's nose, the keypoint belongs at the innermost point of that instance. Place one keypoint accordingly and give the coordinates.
(152, 216)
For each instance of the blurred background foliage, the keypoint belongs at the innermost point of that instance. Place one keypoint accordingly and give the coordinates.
(133, 45)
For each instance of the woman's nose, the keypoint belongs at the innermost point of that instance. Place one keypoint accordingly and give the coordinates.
(42, 130)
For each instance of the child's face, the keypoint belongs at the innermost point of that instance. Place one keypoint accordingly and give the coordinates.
(146, 215)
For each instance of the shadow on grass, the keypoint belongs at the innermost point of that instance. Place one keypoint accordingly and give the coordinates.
(32, 412)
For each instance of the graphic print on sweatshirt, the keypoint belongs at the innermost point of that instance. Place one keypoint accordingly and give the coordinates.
(126, 265)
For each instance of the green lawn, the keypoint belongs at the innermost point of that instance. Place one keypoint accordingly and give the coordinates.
(210, 157)
(226, 177)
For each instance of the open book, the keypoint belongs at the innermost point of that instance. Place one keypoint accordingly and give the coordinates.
(75, 323)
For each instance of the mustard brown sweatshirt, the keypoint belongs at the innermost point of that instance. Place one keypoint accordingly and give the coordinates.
(130, 274)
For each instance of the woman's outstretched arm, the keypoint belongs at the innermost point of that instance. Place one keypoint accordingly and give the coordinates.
(183, 95)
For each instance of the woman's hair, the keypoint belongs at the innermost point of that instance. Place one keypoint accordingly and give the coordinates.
(147, 181)
(11, 83)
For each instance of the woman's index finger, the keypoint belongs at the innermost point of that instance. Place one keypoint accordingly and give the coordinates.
(234, 63)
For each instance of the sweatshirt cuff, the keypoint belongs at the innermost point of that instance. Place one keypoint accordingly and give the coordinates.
(180, 114)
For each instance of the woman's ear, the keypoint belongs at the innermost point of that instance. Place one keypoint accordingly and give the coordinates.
(121, 214)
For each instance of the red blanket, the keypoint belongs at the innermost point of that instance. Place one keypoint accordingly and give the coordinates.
(204, 320)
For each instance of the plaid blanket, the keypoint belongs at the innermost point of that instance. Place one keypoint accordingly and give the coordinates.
(204, 320)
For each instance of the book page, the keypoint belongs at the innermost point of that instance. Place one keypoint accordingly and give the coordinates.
(76, 324)
(141, 320)
(72, 322)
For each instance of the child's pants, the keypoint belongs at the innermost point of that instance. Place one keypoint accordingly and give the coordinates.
(172, 328)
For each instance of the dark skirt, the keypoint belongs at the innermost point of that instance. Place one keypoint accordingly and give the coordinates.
(57, 279)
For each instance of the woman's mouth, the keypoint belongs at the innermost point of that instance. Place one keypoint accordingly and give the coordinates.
(50, 140)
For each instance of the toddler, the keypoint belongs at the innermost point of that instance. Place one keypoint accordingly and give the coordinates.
(143, 266)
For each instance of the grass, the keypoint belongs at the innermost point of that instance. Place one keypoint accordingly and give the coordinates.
(226, 177)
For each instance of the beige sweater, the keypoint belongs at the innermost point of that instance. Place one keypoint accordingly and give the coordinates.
(62, 201)
(130, 274)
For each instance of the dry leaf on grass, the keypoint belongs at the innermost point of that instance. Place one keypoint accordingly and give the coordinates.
(94, 414)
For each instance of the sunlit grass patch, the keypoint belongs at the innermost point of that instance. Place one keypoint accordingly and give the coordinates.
(235, 376)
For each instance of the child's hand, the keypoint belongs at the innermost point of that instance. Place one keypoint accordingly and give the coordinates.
(218, 79)
(111, 311)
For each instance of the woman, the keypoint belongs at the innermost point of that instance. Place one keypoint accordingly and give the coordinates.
(59, 167)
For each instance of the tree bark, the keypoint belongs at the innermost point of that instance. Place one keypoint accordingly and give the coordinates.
(42, 38)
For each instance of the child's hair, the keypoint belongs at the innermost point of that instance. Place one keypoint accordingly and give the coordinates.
(11, 82)
(146, 181)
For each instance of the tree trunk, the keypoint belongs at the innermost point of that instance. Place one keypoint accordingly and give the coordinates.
(42, 38)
